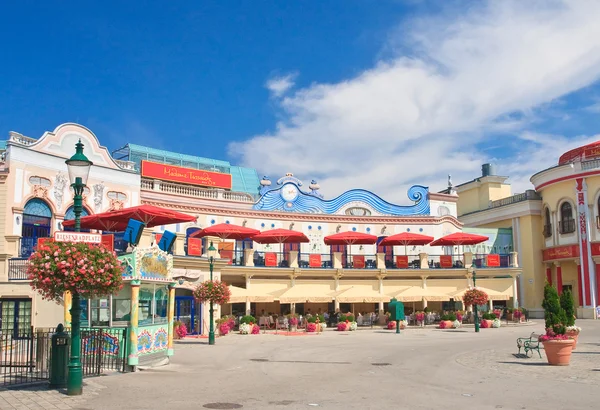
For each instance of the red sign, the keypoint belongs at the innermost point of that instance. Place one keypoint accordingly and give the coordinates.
(194, 246)
(108, 241)
(157, 237)
(493, 260)
(186, 175)
(402, 261)
(358, 261)
(314, 260)
(270, 259)
(65, 236)
(561, 252)
(227, 254)
(445, 261)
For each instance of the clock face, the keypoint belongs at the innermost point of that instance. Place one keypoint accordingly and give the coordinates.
(289, 192)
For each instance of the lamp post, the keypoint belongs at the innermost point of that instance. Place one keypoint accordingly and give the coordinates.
(475, 314)
(211, 310)
(79, 170)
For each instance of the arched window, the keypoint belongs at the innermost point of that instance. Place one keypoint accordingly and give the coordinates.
(37, 219)
(547, 223)
(567, 222)
(70, 214)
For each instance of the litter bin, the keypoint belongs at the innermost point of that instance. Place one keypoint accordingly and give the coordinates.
(59, 357)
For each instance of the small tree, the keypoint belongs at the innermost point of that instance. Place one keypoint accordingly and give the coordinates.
(568, 305)
(554, 314)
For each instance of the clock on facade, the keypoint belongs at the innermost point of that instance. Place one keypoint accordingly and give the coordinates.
(289, 192)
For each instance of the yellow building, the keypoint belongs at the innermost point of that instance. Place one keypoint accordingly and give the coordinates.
(555, 228)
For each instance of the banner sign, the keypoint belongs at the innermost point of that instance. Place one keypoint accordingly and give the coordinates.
(270, 259)
(185, 175)
(358, 261)
(445, 261)
(66, 236)
(108, 240)
(314, 260)
(402, 261)
(194, 246)
(562, 252)
(493, 260)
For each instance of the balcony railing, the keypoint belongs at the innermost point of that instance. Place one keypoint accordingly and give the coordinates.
(196, 192)
(547, 230)
(591, 164)
(566, 226)
(17, 268)
(528, 195)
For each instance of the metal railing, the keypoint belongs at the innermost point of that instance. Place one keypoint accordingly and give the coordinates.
(360, 262)
(304, 261)
(591, 164)
(193, 191)
(446, 261)
(547, 232)
(566, 226)
(525, 196)
(17, 268)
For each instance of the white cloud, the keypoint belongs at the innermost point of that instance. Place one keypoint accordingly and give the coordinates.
(415, 119)
(593, 108)
(280, 85)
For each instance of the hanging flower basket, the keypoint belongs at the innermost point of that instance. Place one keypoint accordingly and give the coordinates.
(475, 297)
(214, 291)
(88, 270)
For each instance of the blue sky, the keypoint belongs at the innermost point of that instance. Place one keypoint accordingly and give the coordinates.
(356, 93)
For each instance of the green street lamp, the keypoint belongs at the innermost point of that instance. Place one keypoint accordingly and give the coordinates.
(211, 310)
(474, 305)
(79, 170)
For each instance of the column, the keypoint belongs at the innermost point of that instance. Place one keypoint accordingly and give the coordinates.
(585, 251)
(67, 299)
(133, 323)
(468, 258)
(580, 284)
(380, 258)
(559, 282)
(549, 273)
(337, 260)
(170, 317)
(491, 303)
(248, 257)
(424, 303)
(293, 259)
(514, 260)
(380, 307)
(515, 297)
(424, 261)
(248, 306)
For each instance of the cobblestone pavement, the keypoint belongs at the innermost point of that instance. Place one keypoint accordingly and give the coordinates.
(41, 397)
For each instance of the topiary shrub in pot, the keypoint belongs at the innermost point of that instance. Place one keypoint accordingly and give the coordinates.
(568, 305)
(446, 321)
(557, 345)
(487, 320)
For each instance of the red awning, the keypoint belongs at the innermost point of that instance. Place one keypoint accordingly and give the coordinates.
(280, 236)
(350, 238)
(459, 238)
(116, 221)
(406, 238)
(226, 231)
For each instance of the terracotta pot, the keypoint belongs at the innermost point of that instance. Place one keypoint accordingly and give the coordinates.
(574, 335)
(448, 324)
(558, 352)
(489, 323)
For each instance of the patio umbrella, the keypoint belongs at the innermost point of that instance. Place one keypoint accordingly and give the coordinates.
(280, 236)
(459, 238)
(406, 238)
(116, 221)
(226, 231)
(350, 238)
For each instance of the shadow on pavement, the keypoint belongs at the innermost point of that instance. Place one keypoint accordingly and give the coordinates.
(527, 364)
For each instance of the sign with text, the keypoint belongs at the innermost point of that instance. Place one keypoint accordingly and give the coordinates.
(402, 261)
(445, 261)
(270, 259)
(561, 252)
(314, 260)
(358, 261)
(493, 260)
(186, 175)
(65, 236)
(194, 246)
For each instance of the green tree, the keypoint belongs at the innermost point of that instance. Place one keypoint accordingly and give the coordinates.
(554, 314)
(568, 305)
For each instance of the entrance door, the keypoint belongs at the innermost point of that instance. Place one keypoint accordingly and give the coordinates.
(16, 317)
(186, 312)
(37, 218)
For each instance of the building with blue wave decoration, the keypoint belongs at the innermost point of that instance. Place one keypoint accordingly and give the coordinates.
(287, 195)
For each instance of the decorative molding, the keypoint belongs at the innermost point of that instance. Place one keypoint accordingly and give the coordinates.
(98, 193)
(40, 191)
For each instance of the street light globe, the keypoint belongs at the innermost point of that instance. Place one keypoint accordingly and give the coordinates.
(79, 166)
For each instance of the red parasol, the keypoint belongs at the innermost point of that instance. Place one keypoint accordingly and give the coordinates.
(280, 236)
(350, 238)
(459, 238)
(226, 231)
(116, 221)
(406, 238)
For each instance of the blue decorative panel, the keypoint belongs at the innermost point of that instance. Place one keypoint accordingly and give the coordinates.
(288, 196)
(70, 214)
(37, 207)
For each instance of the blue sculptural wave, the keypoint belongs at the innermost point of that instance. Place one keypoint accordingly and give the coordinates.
(271, 200)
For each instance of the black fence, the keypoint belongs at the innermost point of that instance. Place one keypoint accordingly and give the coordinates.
(17, 268)
(25, 357)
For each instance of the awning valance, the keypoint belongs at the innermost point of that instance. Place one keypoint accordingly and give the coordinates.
(360, 294)
(497, 289)
(308, 292)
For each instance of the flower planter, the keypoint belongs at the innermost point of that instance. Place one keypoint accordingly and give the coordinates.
(574, 336)
(509, 317)
(488, 323)
(293, 328)
(446, 324)
(558, 352)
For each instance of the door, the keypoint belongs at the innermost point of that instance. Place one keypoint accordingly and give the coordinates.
(16, 317)
(388, 251)
(33, 229)
(186, 312)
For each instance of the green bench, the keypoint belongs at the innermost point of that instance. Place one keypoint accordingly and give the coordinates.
(529, 344)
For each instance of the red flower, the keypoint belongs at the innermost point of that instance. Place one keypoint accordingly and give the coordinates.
(216, 292)
(475, 297)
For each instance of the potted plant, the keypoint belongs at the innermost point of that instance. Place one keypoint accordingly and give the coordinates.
(509, 313)
(447, 321)
(293, 322)
(420, 317)
(557, 345)
(248, 324)
(568, 305)
(487, 320)
(456, 324)
(341, 326)
(460, 315)
(311, 327)
(391, 325)
(517, 315)
(180, 329)
(496, 323)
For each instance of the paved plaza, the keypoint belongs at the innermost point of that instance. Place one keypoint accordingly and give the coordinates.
(367, 369)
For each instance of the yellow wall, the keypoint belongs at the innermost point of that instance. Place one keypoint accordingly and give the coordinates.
(507, 223)
(569, 277)
(468, 201)
(479, 196)
(554, 193)
(531, 260)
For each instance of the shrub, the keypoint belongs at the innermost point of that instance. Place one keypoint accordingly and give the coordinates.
(293, 321)
(343, 318)
(321, 318)
(426, 310)
(341, 326)
(311, 327)
(255, 329)
(248, 319)
(180, 329)
(224, 328)
(245, 328)
(312, 319)
(554, 314)
(350, 318)
(489, 316)
(568, 305)
(353, 326)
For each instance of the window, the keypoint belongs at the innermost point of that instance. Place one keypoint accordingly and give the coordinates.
(547, 224)
(16, 317)
(121, 306)
(100, 312)
(35, 180)
(567, 222)
(120, 196)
